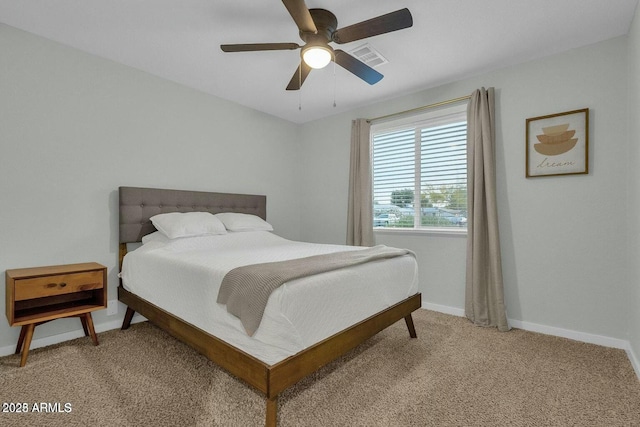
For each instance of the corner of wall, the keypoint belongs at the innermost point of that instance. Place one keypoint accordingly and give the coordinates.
(633, 252)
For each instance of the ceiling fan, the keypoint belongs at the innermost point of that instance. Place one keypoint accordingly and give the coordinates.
(318, 27)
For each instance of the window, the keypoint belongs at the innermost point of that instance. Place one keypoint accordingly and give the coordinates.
(420, 171)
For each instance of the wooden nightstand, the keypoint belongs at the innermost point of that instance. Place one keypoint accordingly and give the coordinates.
(41, 294)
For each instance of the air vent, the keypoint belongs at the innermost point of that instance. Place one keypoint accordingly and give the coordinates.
(368, 55)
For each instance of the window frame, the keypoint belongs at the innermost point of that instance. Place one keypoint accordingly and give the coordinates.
(431, 118)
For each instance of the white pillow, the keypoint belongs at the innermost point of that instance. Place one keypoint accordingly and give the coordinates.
(243, 222)
(187, 224)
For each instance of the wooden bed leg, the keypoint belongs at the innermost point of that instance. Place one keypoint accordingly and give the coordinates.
(412, 330)
(127, 318)
(272, 412)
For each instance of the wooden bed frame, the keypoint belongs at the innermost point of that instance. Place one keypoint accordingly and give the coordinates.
(137, 205)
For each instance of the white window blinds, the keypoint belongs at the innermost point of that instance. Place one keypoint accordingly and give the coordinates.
(420, 170)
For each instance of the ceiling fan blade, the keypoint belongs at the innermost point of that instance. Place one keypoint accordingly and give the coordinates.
(251, 47)
(357, 67)
(299, 76)
(382, 24)
(300, 14)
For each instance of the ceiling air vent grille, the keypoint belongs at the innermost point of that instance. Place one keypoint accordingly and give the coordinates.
(368, 55)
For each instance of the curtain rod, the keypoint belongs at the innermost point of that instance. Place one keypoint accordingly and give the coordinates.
(424, 107)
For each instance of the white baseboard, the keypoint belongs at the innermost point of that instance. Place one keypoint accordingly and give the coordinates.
(633, 358)
(573, 335)
(58, 338)
(443, 309)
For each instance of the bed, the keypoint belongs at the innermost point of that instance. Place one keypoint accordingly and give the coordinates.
(275, 367)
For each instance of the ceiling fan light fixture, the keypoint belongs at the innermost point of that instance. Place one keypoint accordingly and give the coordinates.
(317, 56)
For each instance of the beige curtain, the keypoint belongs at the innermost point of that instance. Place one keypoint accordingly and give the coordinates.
(360, 210)
(484, 297)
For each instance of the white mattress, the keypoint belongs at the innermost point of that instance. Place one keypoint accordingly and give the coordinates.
(183, 276)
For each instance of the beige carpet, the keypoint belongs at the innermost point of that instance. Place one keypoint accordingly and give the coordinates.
(454, 374)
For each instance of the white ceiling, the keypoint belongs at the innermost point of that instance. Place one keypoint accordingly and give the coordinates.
(450, 40)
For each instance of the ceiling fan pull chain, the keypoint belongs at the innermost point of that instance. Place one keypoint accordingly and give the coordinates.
(300, 86)
(334, 84)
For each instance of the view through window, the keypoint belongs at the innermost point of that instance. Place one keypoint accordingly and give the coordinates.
(420, 170)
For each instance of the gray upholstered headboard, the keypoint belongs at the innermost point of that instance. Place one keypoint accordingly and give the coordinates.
(137, 205)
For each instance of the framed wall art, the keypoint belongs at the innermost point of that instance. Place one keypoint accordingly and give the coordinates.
(558, 144)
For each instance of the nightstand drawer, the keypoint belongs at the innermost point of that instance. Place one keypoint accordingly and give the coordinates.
(46, 286)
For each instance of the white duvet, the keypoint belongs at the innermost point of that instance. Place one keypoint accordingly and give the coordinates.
(183, 276)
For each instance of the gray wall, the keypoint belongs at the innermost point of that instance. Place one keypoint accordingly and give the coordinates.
(74, 127)
(563, 238)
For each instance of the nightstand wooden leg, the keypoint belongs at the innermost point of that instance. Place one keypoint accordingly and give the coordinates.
(89, 321)
(27, 343)
(84, 325)
(23, 331)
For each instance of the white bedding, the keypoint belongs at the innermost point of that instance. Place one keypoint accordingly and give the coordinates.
(183, 276)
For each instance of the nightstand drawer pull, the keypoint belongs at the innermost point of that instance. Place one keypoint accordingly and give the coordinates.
(55, 285)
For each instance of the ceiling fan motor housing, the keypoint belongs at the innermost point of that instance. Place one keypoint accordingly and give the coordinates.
(326, 24)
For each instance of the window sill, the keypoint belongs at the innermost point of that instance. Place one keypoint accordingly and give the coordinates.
(456, 232)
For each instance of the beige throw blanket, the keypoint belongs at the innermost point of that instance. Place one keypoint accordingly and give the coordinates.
(245, 290)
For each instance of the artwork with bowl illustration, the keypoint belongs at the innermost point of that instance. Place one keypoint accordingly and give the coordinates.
(558, 144)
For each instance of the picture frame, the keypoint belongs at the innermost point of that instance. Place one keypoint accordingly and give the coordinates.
(558, 144)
